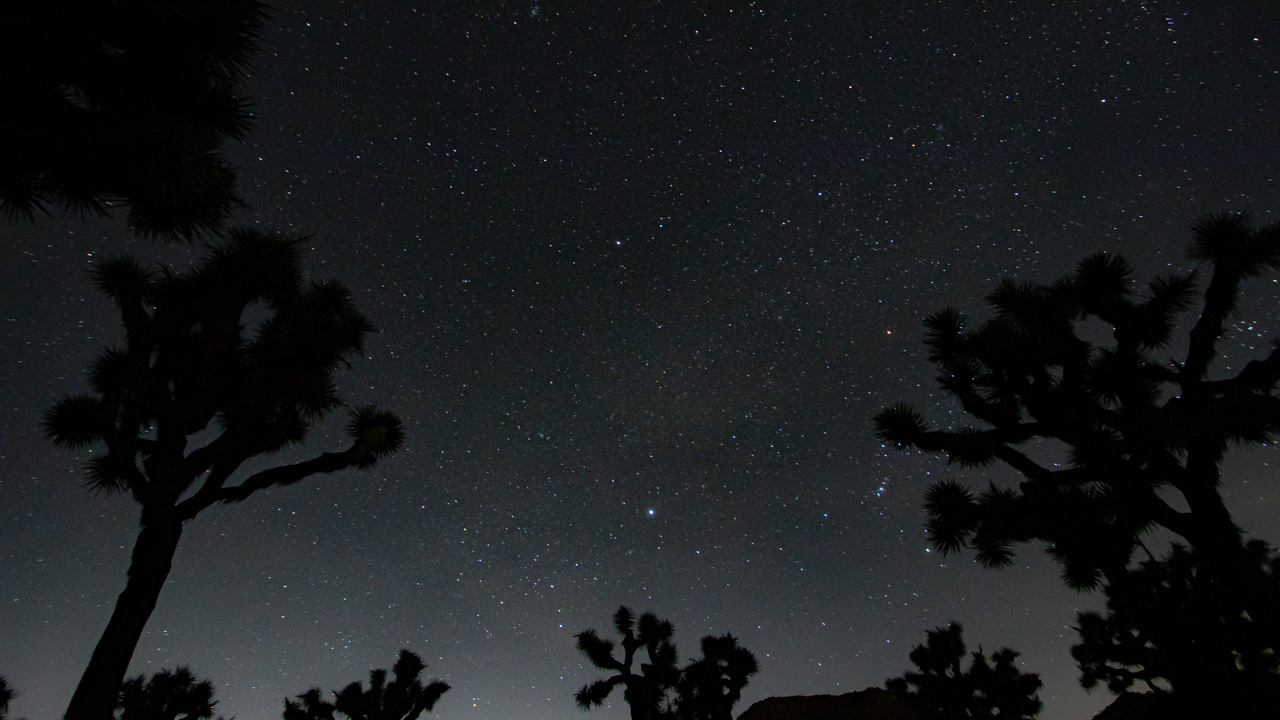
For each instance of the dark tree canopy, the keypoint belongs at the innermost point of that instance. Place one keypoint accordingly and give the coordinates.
(705, 689)
(125, 103)
(645, 691)
(7, 694)
(1175, 626)
(1136, 424)
(189, 365)
(943, 690)
(1140, 429)
(711, 685)
(404, 698)
(168, 695)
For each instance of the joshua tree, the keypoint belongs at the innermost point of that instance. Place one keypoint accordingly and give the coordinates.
(168, 695)
(6, 695)
(1169, 626)
(187, 366)
(941, 690)
(1137, 429)
(404, 698)
(125, 102)
(646, 691)
(710, 686)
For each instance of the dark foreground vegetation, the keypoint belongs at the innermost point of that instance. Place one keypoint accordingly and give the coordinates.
(189, 365)
(125, 104)
(705, 688)
(1199, 628)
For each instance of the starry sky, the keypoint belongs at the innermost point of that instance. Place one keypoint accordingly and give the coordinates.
(643, 273)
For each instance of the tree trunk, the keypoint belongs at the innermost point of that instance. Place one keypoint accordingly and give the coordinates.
(95, 697)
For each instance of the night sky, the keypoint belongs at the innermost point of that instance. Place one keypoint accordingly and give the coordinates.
(643, 274)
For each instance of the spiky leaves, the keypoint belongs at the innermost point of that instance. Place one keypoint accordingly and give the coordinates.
(593, 695)
(711, 685)
(901, 425)
(376, 434)
(645, 690)
(310, 705)
(1229, 241)
(125, 103)
(1112, 442)
(77, 421)
(1121, 426)
(941, 689)
(240, 348)
(705, 689)
(7, 694)
(1237, 252)
(598, 650)
(167, 695)
(405, 697)
(189, 362)
(125, 280)
(1173, 624)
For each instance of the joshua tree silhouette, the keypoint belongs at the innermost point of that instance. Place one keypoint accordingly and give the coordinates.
(187, 365)
(705, 689)
(1135, 426)
(404, 698)
(710, 686)
(1169, 625)
(6, 695)
(646, 691)
(125, 103)
(168, 695)
(941, 690)
(1138, 430)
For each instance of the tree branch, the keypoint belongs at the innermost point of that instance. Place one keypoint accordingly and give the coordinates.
(1219, 299)
(1259, 375)
(1024, 464)
(287, 475)
(210, 491)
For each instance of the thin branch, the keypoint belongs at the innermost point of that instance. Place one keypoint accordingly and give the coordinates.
(198, 461)
(1025, 465)
(210, 491)
(1219, 299)
(287, 475)
(1258, 375)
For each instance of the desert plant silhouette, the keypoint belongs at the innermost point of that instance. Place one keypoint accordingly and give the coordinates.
(942, 690)
(7, 694)
(167, 695)
(1138, 429)
(705, 689)
(645, 691)
(125, 103)
(711, 685)
(404, 698)
(1169, 625)
(188, 366)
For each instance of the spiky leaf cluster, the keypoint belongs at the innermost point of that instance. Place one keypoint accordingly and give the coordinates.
(189, 363)
(7, 694)
(125, 103)
(166, 695)
(706, 688)
(645, 686)
(403, 698)
(711, 685)
(941, 689)
(1134, 425)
